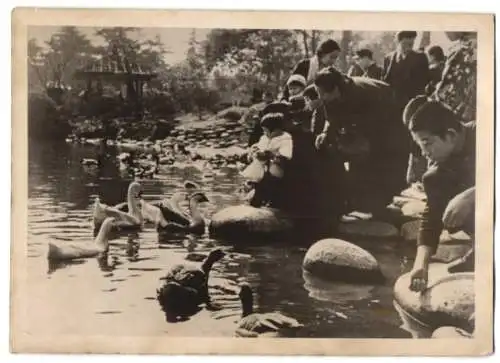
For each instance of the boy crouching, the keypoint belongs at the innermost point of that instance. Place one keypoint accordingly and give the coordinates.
(449, 181)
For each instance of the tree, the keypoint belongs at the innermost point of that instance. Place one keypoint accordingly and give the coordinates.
(68, 50)
(345, 47)
(311, 39)
(119, 37)
(65, 51)
(380, 43)
(187, 82)
(425, 41)
(278, 50)
(124, 44)
(36, 77)
(220, 42)
(260, 58)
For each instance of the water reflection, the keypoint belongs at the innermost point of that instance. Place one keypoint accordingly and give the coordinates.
(54, 265)
(133, 247)
(120, 289)
(338, 292)
(105, 263)
(416, 328)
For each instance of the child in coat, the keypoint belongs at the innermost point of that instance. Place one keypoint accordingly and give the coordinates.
(269, 156)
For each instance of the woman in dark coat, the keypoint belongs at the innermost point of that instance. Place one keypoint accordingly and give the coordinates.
(326, 55)
(364, 124)
(437, 59)
(300, 179)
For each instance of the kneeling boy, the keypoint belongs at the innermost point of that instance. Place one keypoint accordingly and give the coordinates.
(449, 182)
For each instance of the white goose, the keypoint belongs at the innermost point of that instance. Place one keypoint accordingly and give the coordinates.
(64, 250)
(131, 219)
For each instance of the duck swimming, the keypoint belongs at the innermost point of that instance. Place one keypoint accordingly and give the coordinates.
(64, 251)
(140, 167)
(124, 220)
(147, 168)
(260, 324)
(185, 287)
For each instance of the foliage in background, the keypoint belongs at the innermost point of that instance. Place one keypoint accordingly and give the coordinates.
(229, 67)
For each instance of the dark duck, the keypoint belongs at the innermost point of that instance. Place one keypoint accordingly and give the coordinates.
(144, 167)
(91, 164)
(254, 325)
(185, 287)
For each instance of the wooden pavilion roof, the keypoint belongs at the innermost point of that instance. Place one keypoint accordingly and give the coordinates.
(114, 66)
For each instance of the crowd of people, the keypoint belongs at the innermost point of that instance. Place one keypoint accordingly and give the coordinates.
(333, 143)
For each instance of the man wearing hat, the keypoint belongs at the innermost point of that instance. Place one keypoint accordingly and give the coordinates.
(365, 66)
(406, 70)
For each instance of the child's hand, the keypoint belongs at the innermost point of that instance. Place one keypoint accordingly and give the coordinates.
(263, 155)
(278, 159)
(254, 148)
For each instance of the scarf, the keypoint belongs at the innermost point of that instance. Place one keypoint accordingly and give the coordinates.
(313, 69)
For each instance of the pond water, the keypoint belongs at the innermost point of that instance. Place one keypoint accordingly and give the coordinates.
(116, 294)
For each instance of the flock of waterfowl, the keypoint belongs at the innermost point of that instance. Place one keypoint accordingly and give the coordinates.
(184, 287)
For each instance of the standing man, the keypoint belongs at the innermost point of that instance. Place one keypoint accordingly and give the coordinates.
(406, 70)
(365, 66)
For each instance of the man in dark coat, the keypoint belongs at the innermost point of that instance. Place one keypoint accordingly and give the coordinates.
(364, 124)
(406, 70)
(365, 65)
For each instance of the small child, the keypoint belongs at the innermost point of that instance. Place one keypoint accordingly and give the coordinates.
(269, 158)
(296, 85)
(449, 181)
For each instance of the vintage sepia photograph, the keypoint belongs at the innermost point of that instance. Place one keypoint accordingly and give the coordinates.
(287, 182)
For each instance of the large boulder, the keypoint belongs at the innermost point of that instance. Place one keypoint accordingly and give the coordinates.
(244, 221)
(338, 260)
(409, 230)
(450, 332)
(447, 301)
